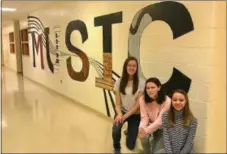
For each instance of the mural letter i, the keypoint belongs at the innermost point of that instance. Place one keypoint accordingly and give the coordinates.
(106, 82)
(106, 21)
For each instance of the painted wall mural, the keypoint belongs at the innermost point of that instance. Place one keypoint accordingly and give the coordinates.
(37, 28)
(179, 20)
(174, 14)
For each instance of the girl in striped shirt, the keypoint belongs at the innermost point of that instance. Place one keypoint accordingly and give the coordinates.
(179, 125)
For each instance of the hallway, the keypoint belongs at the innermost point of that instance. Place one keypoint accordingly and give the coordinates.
(37, 120)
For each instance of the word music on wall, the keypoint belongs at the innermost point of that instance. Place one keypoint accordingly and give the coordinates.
(173, 13)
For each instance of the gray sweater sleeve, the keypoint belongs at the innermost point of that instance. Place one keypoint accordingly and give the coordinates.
(167, 143)
(190, 139)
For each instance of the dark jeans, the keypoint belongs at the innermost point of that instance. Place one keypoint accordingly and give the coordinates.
(133, 126)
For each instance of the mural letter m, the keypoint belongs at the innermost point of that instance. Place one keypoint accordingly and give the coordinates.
(35, 46)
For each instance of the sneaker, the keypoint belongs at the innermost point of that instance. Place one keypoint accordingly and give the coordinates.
(117, 151)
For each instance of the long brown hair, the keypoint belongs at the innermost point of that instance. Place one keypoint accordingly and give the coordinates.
(125, 77)
(161, 95)
(188, 116)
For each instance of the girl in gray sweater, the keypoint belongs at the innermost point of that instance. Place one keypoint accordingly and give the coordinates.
(179, 125)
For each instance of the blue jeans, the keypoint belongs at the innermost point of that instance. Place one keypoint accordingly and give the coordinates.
(133, 125)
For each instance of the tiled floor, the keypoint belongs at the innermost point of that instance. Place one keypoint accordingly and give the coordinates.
(37, 120)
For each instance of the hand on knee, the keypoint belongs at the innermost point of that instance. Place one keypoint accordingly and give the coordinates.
(142, 133)
(145, 140)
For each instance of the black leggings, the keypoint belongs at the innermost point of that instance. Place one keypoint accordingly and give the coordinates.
(132, 132)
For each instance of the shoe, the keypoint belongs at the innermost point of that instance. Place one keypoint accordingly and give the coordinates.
(117, 151)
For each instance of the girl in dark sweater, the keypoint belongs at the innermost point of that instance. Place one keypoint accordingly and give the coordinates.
(179, 125)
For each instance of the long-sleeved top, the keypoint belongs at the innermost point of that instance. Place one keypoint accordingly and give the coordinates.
(151, 114)
(178, 139)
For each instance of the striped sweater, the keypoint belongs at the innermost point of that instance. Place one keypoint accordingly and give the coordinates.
(178, 139)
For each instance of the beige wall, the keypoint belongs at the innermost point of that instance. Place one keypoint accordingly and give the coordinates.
(194, 54)
(216, 120)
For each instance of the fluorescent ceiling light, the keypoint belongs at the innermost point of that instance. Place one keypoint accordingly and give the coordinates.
(8, 9)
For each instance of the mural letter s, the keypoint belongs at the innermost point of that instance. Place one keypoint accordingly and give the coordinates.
(81, 27)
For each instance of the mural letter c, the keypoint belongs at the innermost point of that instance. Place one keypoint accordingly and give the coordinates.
(178, 18)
